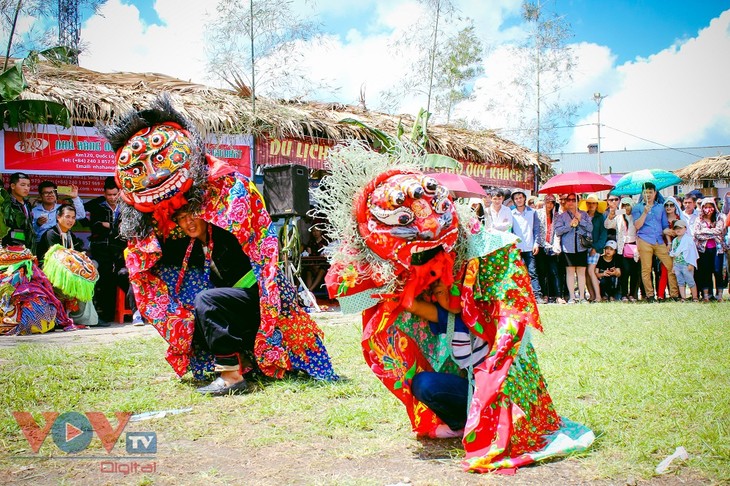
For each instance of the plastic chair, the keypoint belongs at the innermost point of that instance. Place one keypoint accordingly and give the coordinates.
(121, 307)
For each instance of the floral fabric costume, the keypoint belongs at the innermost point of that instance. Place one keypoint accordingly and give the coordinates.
(400, 216)
(181, 174)
(28, 304)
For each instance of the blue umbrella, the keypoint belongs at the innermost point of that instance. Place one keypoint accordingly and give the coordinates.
(633, 182)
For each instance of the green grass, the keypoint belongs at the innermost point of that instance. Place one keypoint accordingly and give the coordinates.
(645, 378)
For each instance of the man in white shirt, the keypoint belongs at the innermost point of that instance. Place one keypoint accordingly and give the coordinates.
(501, 215)
(527, 227)
(689, 204)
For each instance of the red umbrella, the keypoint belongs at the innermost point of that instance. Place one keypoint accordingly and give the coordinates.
(459, 185)
(576, 182)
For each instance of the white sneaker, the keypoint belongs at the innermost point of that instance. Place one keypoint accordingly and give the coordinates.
(137, 319)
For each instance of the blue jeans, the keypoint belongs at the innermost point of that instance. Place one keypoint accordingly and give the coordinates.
(531, 265)
(445, 394)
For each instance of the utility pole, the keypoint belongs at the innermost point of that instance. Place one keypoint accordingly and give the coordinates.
(598, 97)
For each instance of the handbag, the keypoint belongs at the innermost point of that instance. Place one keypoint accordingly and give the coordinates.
(630, 250)
(586, 241)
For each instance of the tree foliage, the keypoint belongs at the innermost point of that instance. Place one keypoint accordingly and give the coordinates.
(15, 111)
(447, 58)
(43, 33)
(253, 45)
(458, 65)
(548, 63)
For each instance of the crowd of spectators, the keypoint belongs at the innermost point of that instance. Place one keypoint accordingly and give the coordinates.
(643, 248)
(41, 223)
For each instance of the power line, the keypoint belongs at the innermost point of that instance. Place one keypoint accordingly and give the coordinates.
(652, 141)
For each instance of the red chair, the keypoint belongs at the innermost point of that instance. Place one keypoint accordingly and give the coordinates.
(121, 307)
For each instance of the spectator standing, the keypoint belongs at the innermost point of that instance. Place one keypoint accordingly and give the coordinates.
(44, 213)
(569, 226)
(548, 257)
(650, 221)
(527, 227)
(612, 210)
(501, 215)
(690, 213)
(684, 253)
(106, 248)
(708, 232)
(608, 272)
(17, 214)
(594, 208)
(623, 222)
(674, 213)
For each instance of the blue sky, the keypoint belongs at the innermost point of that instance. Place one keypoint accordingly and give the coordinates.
(662, 64)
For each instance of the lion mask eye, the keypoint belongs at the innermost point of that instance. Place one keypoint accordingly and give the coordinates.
(394, 217)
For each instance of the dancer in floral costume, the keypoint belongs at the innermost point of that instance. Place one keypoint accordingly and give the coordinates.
(400, 237)
(162, 167)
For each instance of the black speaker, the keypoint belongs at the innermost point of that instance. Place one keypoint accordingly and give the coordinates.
(286, 190)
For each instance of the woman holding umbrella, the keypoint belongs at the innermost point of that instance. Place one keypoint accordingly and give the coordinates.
(570, 226)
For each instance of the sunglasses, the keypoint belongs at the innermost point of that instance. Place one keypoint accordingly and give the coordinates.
(613, 199)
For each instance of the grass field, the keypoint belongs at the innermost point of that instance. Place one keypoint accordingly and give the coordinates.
(646, 378)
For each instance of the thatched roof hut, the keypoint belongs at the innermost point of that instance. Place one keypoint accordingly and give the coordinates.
(709, 168)
(99, 97)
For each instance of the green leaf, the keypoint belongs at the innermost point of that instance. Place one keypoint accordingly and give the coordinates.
(437, 161)
(59, 54)
(12, 83)
(381, 140)
(16, 112)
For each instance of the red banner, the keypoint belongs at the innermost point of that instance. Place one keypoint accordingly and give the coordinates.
(83, 152)
(309, 152)
(499, 175)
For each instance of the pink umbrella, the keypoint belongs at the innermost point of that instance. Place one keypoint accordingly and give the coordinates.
(613, 177)
(576, 182)
(459, 185)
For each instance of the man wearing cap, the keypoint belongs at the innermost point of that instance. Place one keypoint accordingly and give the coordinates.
(650, 221)
(527, 228)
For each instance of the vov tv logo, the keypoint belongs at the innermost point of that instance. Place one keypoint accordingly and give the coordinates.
(72, 432)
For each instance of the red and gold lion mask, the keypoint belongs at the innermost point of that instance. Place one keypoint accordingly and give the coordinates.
(154, 165)
(400, 214)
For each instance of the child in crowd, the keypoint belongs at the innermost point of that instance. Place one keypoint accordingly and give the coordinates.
(684, 253)
(608, 271)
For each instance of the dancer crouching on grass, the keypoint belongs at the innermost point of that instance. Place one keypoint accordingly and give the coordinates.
(227, 316)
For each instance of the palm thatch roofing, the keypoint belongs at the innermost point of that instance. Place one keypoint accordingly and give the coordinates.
(93, 97)
(709, 168)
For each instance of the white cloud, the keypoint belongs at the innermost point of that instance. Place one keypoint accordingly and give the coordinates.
(118, 40)
(675, 97)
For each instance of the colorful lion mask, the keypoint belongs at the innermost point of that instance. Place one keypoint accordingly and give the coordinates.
(400, 214)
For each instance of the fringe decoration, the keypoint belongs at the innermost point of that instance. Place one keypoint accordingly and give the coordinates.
(65, 280)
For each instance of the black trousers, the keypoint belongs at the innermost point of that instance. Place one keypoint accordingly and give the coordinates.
(226, 322)
(112, 273)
